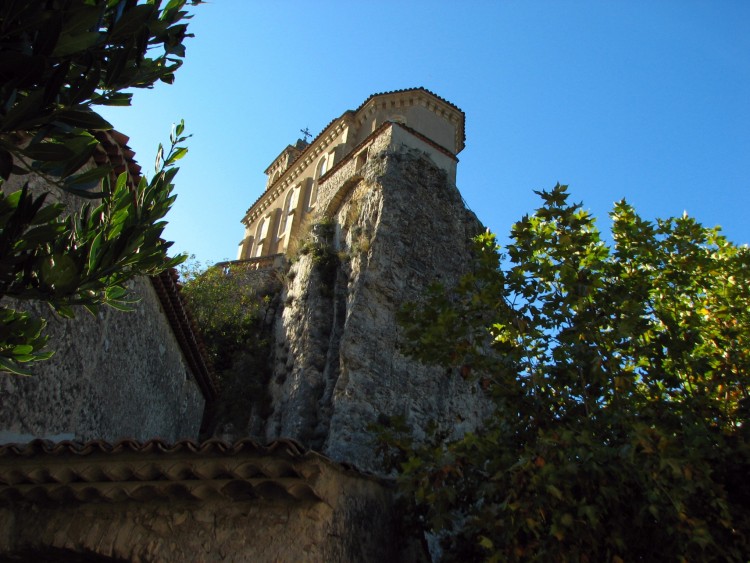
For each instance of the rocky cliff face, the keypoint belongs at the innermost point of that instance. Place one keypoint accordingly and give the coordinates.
(392, 228)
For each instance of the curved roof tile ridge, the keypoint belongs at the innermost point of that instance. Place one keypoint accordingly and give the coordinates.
(415, 89)
(128, 445)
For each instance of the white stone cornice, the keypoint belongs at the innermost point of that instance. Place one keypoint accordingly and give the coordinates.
(290, 174)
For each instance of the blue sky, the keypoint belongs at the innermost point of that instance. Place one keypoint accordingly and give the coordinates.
(648, 101)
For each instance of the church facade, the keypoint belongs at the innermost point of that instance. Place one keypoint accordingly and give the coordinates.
(297, 176)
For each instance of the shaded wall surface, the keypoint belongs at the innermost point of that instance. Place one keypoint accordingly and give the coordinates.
(194, 502)
(115, 375)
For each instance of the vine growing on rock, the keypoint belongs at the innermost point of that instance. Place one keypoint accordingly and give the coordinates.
(319, 246)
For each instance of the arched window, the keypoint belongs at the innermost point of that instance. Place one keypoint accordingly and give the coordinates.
(260, 235)
(322, 166)
(313, 195)
(287, 215)
(272, 178)
(320, 170)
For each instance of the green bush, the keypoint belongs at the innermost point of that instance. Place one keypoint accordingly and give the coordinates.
(235, 322)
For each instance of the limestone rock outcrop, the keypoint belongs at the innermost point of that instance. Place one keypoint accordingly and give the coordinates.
(391, 227)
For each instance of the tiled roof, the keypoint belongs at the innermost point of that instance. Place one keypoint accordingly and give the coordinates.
(293, 150)
(43, 471)
(185, 331)
(402, 90)
(373, 96)
(418, 89)
(113, 149)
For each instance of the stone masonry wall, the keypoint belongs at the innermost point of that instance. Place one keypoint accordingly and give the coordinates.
(113, 376)
(354, 521)
(116, 375)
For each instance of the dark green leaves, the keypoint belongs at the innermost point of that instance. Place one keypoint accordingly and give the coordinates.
(84, 258)
(131, 21)
(619, 376)
(83, 118)
(232, 318)
(48, 152)
(87, 181)
(71, 44)
(58, 59)
(6, 164)
(21, 341)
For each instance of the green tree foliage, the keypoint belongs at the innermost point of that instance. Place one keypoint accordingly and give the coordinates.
(224, 306)
(619, 374)
(58, 60)
(235, 322)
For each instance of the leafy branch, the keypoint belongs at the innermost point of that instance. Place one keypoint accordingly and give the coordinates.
(86, 257)
(59, 59)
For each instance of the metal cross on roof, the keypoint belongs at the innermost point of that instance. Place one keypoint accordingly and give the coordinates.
(306, 133)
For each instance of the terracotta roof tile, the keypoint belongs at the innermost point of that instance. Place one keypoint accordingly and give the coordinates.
(417, 89)
(184, 328)
(43, 471)
(114, 150)
(283, 447)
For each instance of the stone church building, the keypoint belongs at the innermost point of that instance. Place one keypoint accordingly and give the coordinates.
(354, 223)
(297, 178)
